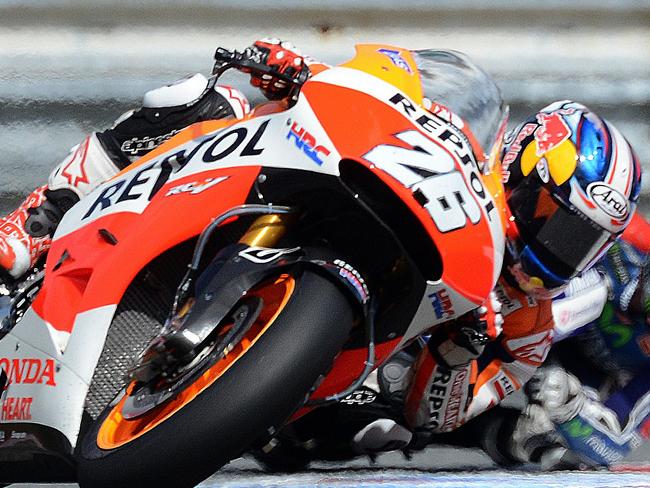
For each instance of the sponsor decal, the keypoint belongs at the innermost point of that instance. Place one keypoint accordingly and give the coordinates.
(441, 303)
(533, 348)
(450, 197)
(138, 147)
(618, 334)
(552, 132)
(438, 395)
(531, 301)
(28, 371)
(579, 313)
(576, 428)
(145, 182)
(609, 200)
(307, 143)
(532, 285)
(508, 305)
(196, 187)
(445, 114)
(600, 447)
(396, 57)
(615, 254)
(75, 170)
(360, 397)
(353, 277)
(455, 403)
(515, 148)
(504, 386)
(16, 408)
(263, 255)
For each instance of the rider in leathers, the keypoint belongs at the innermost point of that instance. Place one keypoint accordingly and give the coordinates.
(468, 365)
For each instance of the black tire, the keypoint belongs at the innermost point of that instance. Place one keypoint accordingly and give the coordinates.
(256, 395)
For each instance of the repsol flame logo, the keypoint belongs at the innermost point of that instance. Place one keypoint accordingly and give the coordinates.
(609, 200)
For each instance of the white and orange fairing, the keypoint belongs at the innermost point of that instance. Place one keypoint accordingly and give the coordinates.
(369, 110)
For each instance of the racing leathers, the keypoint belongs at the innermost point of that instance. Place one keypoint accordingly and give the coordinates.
(26, 233)
(444, 394)
(432, 387)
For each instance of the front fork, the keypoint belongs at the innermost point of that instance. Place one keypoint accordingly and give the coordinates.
(267, 230)
(224, 282)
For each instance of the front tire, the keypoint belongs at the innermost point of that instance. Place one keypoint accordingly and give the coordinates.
(248, 401)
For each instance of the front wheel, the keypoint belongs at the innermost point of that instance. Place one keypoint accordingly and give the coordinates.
(234, 402)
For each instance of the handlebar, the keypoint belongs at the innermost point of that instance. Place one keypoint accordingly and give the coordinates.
(249, 61)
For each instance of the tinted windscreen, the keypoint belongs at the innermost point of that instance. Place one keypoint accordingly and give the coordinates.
(450, 78)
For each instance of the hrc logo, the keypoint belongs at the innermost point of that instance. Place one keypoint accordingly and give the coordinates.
(441, 304)
(307, 143)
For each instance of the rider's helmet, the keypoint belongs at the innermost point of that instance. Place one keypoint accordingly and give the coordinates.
(572, 182)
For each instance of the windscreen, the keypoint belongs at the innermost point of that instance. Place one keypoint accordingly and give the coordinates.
(451, 79)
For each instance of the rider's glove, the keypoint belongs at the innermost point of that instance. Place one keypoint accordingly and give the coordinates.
(459, 342)
(283, 57)
(588, 426)
(558, 392)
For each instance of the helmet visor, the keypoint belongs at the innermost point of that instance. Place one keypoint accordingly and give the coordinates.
(565, 241)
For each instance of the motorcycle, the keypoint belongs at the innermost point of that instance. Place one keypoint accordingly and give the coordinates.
(249, 271)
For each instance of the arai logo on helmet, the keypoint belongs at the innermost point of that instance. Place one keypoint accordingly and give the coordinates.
(609, 200)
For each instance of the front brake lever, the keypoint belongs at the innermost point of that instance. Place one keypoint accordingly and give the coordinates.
(225, 59)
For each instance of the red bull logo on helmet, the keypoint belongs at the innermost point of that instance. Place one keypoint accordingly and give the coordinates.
(551, 132)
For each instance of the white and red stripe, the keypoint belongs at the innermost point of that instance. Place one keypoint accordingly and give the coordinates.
(236, 99)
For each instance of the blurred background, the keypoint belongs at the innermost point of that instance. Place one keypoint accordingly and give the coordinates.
(70, 66)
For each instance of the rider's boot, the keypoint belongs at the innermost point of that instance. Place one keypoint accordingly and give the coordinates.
(25, 234)
(386, 428)
(368, 421)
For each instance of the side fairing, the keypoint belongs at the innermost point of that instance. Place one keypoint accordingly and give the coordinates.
(429, 163)
(48, 385)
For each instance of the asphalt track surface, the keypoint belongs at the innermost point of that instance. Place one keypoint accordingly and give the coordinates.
(461, 468)
(468, 479)
(436, 467)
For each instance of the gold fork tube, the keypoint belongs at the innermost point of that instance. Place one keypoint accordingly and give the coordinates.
(267, 230)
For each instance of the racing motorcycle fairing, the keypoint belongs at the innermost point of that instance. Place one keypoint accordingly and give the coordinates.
(360, 130)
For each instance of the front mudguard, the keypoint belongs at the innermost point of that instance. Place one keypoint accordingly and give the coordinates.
(225, 281)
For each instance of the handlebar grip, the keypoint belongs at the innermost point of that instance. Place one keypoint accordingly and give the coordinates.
(225, 59)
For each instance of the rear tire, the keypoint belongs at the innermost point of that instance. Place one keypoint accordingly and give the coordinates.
(247, 403)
